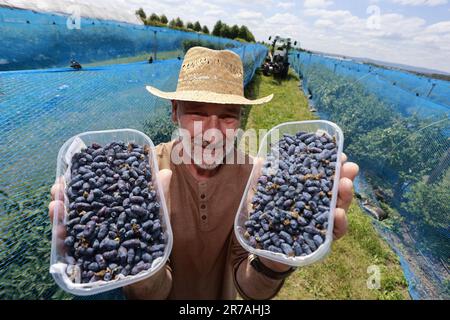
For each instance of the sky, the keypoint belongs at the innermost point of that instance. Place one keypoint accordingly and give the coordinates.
(411, 32)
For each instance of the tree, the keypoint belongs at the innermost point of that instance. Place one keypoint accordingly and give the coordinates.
(190, 25)
(172, 23)
(163, 19)
(245, 34)
(234, 32)
(179, 23)
(197, 26)
(225, 31)
(251, 37)
(205, 29)
(141, 14)
(217, 29)
(154, 18)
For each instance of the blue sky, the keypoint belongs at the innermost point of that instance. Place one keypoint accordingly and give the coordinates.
(413, 32)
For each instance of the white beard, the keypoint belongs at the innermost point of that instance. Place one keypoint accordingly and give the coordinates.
(191, 147)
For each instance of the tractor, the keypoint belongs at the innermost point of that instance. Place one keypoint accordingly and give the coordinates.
(277, 62)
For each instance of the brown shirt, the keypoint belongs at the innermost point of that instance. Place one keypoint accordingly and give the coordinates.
(207, 261)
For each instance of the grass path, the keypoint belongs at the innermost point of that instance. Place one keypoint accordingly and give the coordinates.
(343, 274)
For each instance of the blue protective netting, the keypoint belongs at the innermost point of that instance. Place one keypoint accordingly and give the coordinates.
(40, 109)
(40, 40)
(397, 127)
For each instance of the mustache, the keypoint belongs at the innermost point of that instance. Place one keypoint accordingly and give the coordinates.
(213, 145)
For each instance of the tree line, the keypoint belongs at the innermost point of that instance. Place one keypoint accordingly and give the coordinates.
(221, 29)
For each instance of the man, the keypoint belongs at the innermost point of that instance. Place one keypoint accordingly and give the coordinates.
(203, 194)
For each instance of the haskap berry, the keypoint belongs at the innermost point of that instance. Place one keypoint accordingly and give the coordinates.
(113, 224)
(291, 204)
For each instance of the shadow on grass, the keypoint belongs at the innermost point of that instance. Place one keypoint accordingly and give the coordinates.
(279, 81)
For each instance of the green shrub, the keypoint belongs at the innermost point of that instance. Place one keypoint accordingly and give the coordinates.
(160, 126)
(25, 237)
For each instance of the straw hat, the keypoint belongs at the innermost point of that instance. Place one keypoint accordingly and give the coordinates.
(214, 76)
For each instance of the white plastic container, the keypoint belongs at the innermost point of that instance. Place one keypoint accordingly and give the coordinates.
(242, 215)
(57, 262)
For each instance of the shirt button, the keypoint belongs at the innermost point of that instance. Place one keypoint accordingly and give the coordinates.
(203, 217)
(202, 196)
(203, 206)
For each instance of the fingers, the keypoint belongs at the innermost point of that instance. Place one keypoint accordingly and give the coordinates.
(345, 196)
(349, 170)
(343, 157)
(257, 165)
(165, 176)
(258, 162)
(57, 203)
(61, 231)
(340, 223)
(60, 179)
(56, 207)
(60, 236)
(57, 191)
(345, 193)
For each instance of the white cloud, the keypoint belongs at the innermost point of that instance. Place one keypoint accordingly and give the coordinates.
(286, 5)
(283, 19)
(323, 23)
(231, 4)
(399, 38)
(215, 13)
(430, 3)
(440, 27)
(317, 3)
(247, 14)
(391, 25)
(342, 15)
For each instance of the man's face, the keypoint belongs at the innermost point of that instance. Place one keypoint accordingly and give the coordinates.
(211, 129)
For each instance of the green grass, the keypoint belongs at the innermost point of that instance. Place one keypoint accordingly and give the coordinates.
(343, 274)
(288, 103)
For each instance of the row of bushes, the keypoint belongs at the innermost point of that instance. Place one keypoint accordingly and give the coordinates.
(406, 156)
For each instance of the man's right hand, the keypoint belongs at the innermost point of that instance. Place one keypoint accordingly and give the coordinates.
(57, 193)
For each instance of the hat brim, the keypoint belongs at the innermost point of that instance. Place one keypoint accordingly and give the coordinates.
(207, 96)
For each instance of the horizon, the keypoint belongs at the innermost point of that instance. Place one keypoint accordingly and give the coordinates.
(386, 64)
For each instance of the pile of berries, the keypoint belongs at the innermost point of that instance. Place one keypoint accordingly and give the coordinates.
(113, 224)
(291, 205)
